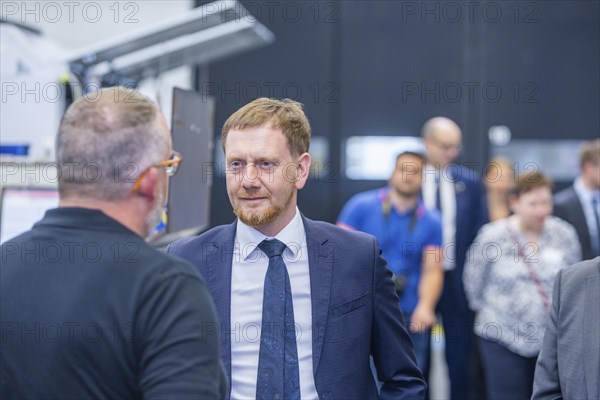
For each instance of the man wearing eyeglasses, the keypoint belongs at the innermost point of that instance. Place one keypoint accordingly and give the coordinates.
(458, 193)
(88, 308)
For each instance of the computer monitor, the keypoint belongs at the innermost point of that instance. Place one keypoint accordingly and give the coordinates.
(22, 207)
(192, 128)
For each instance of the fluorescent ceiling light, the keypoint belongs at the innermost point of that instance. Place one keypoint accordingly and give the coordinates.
(201, 35)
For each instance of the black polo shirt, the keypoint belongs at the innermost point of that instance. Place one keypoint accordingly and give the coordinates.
(89, 310)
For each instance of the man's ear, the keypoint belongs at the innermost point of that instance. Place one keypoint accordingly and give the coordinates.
(427, 140)
(148, 184)
(586, 167)
(512, 202)
(303, 170)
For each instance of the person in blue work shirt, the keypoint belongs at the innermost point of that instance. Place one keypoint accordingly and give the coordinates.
(410, 237)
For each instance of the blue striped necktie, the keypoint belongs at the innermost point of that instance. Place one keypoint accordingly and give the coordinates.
(596, 240)
(278, 373)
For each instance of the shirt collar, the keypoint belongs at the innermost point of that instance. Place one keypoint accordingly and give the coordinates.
(431, 173)
(431, 170)
(83, 218)
(248, 238)
(384, 197)
(584, 193)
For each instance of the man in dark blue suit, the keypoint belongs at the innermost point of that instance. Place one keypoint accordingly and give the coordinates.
(460, 196)
(302, 304)
(579, 204)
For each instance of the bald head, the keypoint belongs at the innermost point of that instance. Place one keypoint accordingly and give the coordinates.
(440, 127)
(443, 141)
(105, 140)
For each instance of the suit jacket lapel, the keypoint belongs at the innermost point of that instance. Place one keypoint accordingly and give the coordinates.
(460, 190)
(591, 338)
(579, 217)
(320, 264)
(219, 259)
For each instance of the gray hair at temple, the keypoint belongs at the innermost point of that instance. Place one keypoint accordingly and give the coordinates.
(105, 140)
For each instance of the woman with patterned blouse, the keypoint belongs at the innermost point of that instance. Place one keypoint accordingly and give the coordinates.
(508, 279)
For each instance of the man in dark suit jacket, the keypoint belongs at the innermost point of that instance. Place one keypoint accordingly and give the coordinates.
(579, 204)
(568, 366)
(344, 304)
(460, 196)
(88, 308)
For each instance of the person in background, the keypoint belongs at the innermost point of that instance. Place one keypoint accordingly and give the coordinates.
(320, 298)
(508, 279)
(411, 240)
(460, 196)
(499, 179)
(89, 310)
(579, 204)
(569, 363)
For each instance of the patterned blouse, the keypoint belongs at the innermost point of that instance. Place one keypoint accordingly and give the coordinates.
(508, 281)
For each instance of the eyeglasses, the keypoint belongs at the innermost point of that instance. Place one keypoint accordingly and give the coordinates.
(171, 167)
(447, 146)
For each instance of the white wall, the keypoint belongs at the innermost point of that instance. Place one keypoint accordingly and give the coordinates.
(79, 23)
(71, 25)
(86, 22)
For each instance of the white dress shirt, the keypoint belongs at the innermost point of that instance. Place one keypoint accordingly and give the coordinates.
(249, 268)
(447, 208)
(585, 197)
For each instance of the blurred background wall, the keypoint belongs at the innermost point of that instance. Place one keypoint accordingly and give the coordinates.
(383, 67)
(520, 77)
